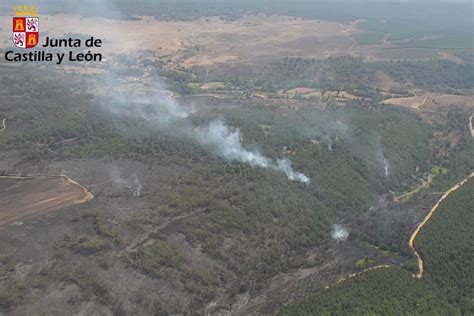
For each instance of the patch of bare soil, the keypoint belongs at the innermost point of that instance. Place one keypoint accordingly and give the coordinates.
(22, 197)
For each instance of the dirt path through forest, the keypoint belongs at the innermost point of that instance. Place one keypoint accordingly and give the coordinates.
(382, 266)
(411, 242)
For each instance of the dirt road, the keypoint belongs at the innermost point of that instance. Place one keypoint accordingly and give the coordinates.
(411, 242)
(382, 266)
(4, 125)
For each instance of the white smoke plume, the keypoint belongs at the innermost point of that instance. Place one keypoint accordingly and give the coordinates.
(165, 113)
(386, 167)
(225, 143)
(382, 158)
(285, 166)
(339, 233)
(138, 186)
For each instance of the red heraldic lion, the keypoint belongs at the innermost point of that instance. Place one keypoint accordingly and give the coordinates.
(25, 27)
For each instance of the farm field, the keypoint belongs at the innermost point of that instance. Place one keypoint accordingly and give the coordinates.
(24, 197)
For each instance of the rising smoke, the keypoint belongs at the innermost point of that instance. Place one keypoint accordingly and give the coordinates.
(339, 233)
(163, 111)
(285, 166)
(386, 167)
(138, 186)
(324, 129)
(225, 143)
(382, 158)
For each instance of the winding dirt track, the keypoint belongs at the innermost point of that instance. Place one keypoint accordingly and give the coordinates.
(413, 237)
(411, 242)
(4, 125)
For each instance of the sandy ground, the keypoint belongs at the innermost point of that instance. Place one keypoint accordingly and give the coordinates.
(26, 196)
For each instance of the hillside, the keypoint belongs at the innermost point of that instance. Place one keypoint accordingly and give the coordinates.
(446, 245)
(385, 291)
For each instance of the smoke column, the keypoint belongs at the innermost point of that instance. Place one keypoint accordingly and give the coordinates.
(164, 113)
(339, 233)
(386, 167)
(285, 166)
(380, 156)
(138, 186)
(225, 143)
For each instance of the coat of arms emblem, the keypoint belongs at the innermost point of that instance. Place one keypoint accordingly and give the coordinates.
(25, 26)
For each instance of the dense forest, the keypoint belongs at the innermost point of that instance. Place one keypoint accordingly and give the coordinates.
(446, 244)
(352, 73)
(384, 291)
